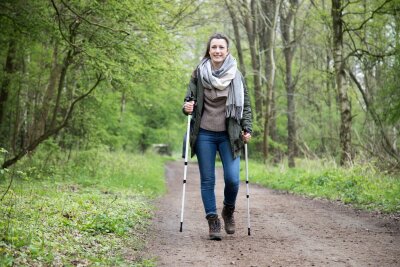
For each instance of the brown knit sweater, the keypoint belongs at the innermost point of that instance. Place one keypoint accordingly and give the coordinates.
(213, 118)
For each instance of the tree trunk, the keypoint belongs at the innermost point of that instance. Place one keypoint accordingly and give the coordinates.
(329, 86)
(289, 48)
(55, 73)
(250, 23)
(273, 132)
(9, 69)
(238, 42)
(341, 85)
(271, 10)
(63, 73)
(330, 93)
(123, 105)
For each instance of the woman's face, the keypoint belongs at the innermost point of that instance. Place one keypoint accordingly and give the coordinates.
(218, 52)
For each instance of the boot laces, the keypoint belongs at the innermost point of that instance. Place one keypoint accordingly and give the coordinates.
(230, 219)
(214, 225)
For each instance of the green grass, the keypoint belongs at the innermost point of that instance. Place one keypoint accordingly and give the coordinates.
(93, 210)
(362, 186)
(122, 172)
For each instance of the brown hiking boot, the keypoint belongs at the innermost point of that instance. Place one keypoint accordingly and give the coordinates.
(227, 215)
(214, 225)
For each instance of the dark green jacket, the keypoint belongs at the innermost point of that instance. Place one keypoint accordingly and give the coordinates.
(196, 90)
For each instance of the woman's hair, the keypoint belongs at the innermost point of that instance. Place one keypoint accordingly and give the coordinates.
(215, 36)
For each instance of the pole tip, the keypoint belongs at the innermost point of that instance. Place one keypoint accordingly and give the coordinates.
(180, 229)
(248, 231)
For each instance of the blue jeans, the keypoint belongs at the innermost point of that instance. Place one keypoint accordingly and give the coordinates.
(207, 145)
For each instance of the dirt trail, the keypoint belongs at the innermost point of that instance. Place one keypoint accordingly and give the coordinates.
(287, 230)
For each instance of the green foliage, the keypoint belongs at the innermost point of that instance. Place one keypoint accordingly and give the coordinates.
(129, 44)
(361, 186)
(390, 94)
(146, 50)
(90, 210)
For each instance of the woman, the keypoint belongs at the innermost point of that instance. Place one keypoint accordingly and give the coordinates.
(221, 122)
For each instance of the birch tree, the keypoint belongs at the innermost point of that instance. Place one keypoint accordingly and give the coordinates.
(270, 10)
(341, 82)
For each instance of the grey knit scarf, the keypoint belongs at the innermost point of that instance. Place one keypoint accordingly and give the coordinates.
(227, 75)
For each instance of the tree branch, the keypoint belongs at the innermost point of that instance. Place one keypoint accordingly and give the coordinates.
(59, 25)
(368, 19)
(9, 185)
(92, 23)
(385, 142)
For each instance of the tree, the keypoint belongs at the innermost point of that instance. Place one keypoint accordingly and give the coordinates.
(80, 45)
(271, 13)
(341, 83)
(370, 55)
(249, 13)
(287, 16)
(238, 42)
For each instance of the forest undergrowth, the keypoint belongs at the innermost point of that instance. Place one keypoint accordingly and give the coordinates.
(92, 210)
(361, 185)
(94, 207)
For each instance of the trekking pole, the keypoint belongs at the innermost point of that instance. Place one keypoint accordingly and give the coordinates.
(186, 165)
(247, 189)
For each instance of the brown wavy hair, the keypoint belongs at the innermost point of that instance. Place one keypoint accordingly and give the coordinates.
(215, 36)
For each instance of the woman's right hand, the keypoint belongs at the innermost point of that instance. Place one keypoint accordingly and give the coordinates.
(188, 107)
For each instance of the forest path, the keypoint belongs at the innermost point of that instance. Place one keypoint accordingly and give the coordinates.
(287, 230)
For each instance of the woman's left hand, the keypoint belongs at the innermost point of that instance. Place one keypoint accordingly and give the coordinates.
(246, 137)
